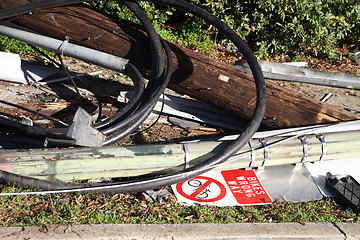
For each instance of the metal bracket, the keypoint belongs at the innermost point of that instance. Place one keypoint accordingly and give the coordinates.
(187, 155)
(305, 148)
(266, 152)
(321, 137)
(83, 132)
(252, 148)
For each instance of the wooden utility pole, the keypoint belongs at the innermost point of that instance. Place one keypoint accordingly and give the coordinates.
(194, 74)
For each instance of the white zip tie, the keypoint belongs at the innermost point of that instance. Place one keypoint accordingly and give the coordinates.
(63, 45)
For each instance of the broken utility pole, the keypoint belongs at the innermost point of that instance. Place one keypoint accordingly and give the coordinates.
(194, 74)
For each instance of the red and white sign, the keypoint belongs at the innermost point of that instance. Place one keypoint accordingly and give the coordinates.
(198, 189)
(246, 187)
(223, 188)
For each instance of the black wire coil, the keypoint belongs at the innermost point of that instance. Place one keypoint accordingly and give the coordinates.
(159, 79)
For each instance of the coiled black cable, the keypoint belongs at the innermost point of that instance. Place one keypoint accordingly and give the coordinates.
(144, 184)
(134, 113)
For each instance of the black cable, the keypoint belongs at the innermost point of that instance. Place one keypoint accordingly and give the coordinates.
(133, 103)
(130, 107)
(157, 119)
(96, 95)
(45, 55)
(157, 82)
(129, 125)
(17, 118)
(219, 158)
(69, 76)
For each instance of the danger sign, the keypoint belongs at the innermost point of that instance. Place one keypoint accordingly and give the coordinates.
(222, 188)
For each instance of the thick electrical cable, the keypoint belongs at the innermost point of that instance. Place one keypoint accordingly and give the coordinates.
(157, 82)
(129, 69)
(160, 181)
(128, 115)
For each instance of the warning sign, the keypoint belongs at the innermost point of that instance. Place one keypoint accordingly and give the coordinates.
(222, 188)
(246, 187)
(198, 189)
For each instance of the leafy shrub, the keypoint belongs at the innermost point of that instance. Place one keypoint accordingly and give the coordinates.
(292, 27)
(185, 31)
(312, 27)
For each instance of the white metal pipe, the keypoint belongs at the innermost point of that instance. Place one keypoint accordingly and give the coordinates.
(278, 71)
(66, 48)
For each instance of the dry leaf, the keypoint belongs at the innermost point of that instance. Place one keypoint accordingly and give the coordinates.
(302, 223)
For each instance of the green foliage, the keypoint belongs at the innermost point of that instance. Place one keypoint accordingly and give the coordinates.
(18, 47)
(293, 27)
(14, 46)
(186, 33)
(312, 27)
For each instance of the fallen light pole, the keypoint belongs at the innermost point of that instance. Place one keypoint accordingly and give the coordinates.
(266, 149)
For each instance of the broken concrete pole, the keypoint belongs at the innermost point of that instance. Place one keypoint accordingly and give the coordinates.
(194, 74)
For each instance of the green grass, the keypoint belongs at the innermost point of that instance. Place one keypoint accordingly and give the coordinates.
(71, 209)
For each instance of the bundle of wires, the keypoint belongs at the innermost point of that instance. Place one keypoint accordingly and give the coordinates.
(126, 121)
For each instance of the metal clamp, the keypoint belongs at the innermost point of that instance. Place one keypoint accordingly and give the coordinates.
(305, 148)
(321, 137)
(266, 151)
(187, 156)
(252, 148)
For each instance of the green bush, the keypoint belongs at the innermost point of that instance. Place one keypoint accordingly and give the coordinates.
(313, 27)
(172, 25)
(292, 27)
